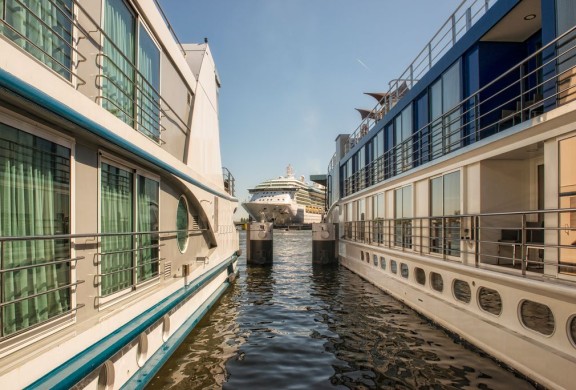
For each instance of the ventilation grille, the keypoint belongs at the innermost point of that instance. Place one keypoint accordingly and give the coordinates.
(195, 223)
(167, 270)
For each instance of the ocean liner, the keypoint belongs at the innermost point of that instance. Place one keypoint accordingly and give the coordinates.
(457, 192)
(286, 201)
(116, 229)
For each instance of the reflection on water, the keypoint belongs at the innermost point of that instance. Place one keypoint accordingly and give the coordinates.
(295, 326)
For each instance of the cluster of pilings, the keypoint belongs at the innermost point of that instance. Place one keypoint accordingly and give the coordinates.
(260, 239)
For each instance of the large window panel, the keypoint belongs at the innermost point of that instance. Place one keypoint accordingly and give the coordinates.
(118, 72)
(34, 201)
(445, 204)
(148, 222)
(43, 28)
(117, 216)
(403, 217)
(148, 85)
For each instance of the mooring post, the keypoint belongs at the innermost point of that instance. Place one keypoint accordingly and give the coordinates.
(323, 243)
(259, 243)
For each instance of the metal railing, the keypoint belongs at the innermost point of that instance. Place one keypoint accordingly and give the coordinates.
(461, 20)
(34, 265)
(229, 181)
(526, 241)
(477, 116)
(149, 110)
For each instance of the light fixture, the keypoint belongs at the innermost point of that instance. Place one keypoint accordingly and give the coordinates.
(530, 17)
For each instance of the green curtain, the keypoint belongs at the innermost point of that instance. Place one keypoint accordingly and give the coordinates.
(118, 62)
(44, 29)
(116, 217)
(148, 86)
(34, 201)
(147, 222)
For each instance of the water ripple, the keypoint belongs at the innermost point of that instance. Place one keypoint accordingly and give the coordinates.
(296, 326)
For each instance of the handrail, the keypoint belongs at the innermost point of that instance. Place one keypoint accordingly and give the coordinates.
(427, 58)
(468, 114)
(407, 235)
(38, 265)
(93, 235)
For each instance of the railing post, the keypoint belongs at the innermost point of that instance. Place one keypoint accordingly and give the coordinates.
(521, 94)
(468, 18)
(486, 5)
(444, 238)
(421, 235)
(476, 238)
(429, 55)
(453, 23)
(1, 288)
(523, 255)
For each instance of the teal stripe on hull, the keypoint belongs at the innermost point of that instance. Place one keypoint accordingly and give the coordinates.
(33, 94)
(75, 369)
(156, 361)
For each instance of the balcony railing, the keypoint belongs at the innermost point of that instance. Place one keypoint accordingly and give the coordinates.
(522, 93)
(527, 241)
(229, 181)
(80, 60)
(465, 16)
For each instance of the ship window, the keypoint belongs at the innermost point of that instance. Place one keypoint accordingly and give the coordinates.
(393, 266)
(572, 330)
(445, 201)
(404, 271)
(35, 201)
(362, 255)
(420, 275)
(461, 290)
(124, 210)
(131, 70)
(375, 259)
(537, 317)
(382, 262)
(44, 30)
(403, 215)
(182, 224)
(489, 300)
(436, 281)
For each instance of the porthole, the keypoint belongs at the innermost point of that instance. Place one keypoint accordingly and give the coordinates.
(182, 224)
(489, 300)
(142, 351)
(106, 376)
(420, 276)
(393, 266)
(462, 291)
(572, 330)
(404, 271)
(368, 257)
(537, 317)
(375, 259)
(382, 262)
(362, 255)
(436, 281)
(165, 327)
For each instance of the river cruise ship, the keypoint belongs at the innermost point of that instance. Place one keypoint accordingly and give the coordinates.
(116, 229)
(457, 192)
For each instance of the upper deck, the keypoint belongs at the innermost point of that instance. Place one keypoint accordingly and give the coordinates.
(491, 66)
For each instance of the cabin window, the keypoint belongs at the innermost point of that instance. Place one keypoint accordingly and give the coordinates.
(461, 290)
(393, 266)
(537, 317)
(375, 259)
(572, 330)
(130, 70)
(34, 201)
(403, 217)
(182, 224)
(43, 29)
(129, 203)
(420, 276)
(567, 200)
(445, 97)
(382, 262)
(403, 140)
(445, 203)
(404, 271)
(489, 300)
(378, 218)
(436, 281)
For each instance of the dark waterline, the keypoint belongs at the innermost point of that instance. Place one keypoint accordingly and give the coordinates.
(295, 326)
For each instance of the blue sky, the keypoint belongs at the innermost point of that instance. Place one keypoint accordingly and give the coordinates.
(293, 71)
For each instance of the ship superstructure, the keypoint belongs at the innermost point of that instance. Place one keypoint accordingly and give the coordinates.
(286, 200)
(457, 191)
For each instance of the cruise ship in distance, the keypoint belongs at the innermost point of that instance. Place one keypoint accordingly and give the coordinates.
(457, 191)
(286, 201)
(116, 215)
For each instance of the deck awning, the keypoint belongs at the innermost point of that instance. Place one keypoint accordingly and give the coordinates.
(379, 96)
(366, 113)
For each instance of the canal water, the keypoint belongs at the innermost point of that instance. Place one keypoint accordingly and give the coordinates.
(297, 326)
